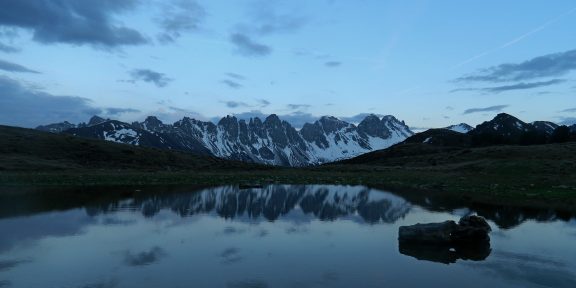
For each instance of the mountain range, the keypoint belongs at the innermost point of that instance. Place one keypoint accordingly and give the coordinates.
(503, 129)
(276, 142)
(271, 141)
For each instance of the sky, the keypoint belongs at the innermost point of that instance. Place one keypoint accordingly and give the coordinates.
(430, 63)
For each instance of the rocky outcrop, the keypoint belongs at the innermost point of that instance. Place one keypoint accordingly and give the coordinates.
(448, 241)
(470, 229)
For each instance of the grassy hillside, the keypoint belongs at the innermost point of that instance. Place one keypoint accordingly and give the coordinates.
(27, 150)
(536, 175)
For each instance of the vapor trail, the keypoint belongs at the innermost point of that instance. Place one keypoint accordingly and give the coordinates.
(516, 40)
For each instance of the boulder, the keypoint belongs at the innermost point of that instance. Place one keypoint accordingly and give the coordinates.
(448, 241)
(469, 229)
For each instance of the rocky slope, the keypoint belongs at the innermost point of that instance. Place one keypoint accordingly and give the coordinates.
(271, 141)
(460, 128)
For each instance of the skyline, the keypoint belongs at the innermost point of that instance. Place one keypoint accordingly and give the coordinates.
(429, 64)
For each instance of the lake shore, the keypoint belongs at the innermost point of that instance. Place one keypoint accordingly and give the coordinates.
(546, 191)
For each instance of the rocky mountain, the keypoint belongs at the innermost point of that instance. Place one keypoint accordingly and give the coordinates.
(544, 127)
(439, 137)
(56, 127)
(503, 124)
(460, 128)
(271, 141)
(503, 129)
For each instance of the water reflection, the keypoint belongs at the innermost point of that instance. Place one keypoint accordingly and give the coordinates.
(505, 217)
(289, 202)
(324, 202)
(445, 254)
(273, 236)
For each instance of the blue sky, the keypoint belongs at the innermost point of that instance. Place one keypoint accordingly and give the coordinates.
(430, 63)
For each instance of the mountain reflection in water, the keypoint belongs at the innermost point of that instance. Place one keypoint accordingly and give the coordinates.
(273, 236)
(272, 202)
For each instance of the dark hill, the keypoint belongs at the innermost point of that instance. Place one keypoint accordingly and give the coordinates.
(439, 137)
(32, 150)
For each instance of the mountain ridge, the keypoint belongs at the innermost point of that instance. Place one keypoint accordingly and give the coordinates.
(270, 141)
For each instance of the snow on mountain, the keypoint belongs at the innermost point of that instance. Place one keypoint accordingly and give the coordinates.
(56, 127)
(271, 141)
(460, 128)
(504, 125)
(545, 126)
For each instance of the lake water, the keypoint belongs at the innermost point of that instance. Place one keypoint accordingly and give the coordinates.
(275, 236)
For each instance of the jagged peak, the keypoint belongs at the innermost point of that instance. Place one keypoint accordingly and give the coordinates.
(504, 116)
(273, 119)
(95, 120)
(227, 120)
(371, 117)
(255, 121)
(331, 123)
(153, 119)
(460, 128)
(329, 118)
(390, 118)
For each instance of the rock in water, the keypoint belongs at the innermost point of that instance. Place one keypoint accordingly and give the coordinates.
(429, 233)
(448, 241)
(469, 229)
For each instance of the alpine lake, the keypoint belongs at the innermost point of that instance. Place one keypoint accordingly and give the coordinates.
(270, 236)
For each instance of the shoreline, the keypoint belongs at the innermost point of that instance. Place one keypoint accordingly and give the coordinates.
(466, 188)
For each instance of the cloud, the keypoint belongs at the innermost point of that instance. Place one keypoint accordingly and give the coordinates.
(147, 75)
(118, 111)
(266, 17)
(273, 17)
(29, 107)
(522, 86)
(264, 103)
(518, 86)
(496, 108)
(235, 104)
(247, 47)
(298, 106)
(231, 84)
(144, 258)
(333, 64)
(13, 67)
(180, 16)
(72, 21)
(8, 49)
(172, 114)
(551, 65)
(570, 110)
(235, 76)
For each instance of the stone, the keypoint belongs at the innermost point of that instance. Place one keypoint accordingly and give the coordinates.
(469, 229)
